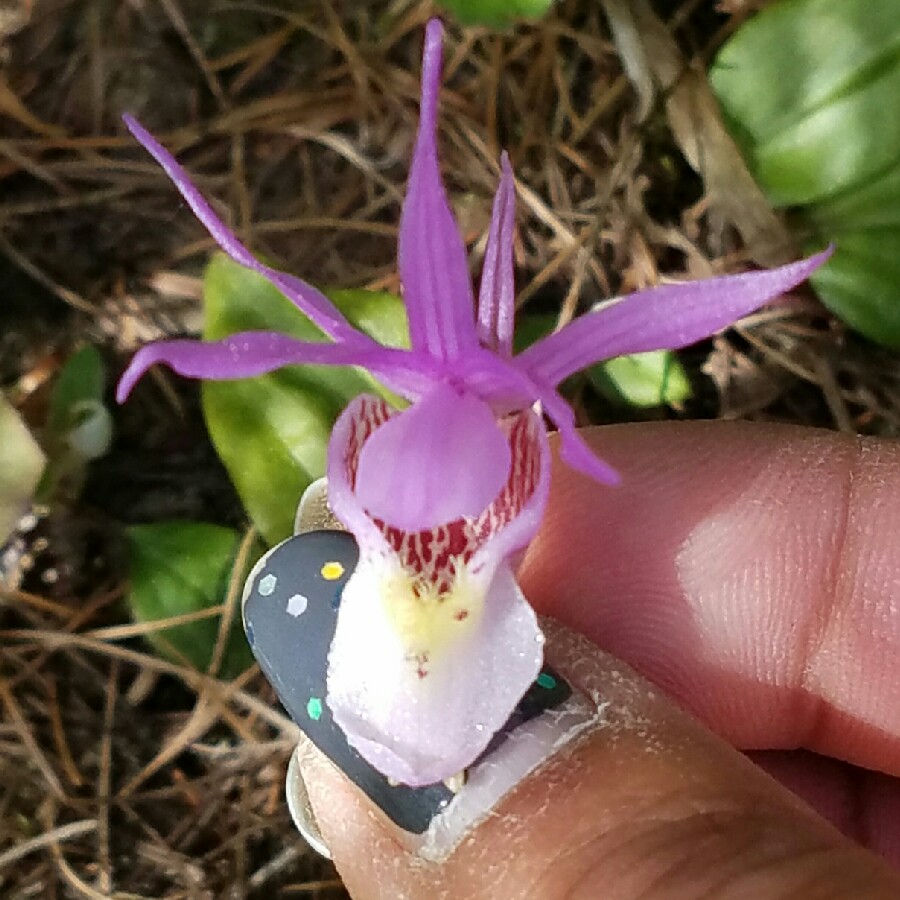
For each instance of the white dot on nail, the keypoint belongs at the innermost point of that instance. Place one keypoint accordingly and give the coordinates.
(267, 585)
(297, 604)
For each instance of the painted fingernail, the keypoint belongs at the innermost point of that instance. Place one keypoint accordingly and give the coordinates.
(290, 608)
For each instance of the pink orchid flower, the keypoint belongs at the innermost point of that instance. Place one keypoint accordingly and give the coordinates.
(435, 643)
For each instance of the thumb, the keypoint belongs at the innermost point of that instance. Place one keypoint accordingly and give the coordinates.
(643, 803)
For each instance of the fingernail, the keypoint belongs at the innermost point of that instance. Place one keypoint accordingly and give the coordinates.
(431, 822)
(313, 512)
(290, 606)
(300, 808)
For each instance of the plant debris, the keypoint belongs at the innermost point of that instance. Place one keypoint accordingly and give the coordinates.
(126, 775)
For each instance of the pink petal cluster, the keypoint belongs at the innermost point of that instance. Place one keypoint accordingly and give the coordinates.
(435, 644)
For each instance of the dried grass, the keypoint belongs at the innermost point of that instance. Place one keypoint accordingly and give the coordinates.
(122, 775)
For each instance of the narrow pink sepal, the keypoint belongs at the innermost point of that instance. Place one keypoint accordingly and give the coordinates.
(666, 317)
(250, 353)
(496, 295)
(312, 303)
(573, 449)
(442, 459)
(434, 271)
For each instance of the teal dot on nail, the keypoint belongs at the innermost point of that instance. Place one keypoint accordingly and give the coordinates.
(314, 708)
(546, 681)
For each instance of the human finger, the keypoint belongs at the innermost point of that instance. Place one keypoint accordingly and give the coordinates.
(749, 570)
(646, 804)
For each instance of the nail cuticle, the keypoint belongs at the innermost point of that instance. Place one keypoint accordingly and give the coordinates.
(522, 753)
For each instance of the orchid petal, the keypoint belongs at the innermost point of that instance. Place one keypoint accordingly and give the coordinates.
(516, 508)
(434, 271)
(420, 718)
(442, 459)
(312, 303)
(666, 317)
(573, 449)
(496, 295)
(251, 353)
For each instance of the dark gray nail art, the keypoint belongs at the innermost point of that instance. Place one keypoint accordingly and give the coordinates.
(290, 609)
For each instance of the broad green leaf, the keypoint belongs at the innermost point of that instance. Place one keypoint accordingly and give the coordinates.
(496, 12)
(21, 464)
(843, 143)
(810, 89)
(799, 55)
(861, 283)
(179, 568)
(272, 432)
(644, 380)
(875, 204)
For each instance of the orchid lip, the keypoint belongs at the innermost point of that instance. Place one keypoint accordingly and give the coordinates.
(275, 629)
(435, 612)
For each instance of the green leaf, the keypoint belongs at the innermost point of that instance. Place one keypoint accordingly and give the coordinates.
(179, 568)
(811, 88)
(81, 380)
(861, 283)
(272, 432)
(496, 12)
(79, 426)
(21, 464)
(842, 144)
(875, 204)
(531, 328)
(644, 380)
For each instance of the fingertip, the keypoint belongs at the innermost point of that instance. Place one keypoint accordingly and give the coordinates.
(645, 798)
(747, 569)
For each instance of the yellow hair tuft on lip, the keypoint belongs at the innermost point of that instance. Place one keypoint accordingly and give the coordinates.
(427, 619)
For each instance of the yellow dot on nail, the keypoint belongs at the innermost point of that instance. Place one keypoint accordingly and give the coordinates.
(331, 571)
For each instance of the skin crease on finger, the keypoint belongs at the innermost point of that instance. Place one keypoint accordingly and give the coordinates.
(648, 805)
(749, 570)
